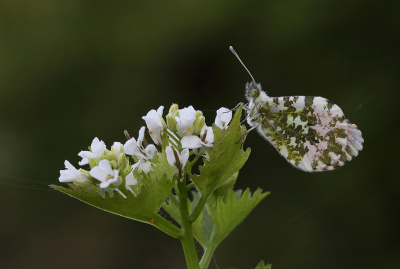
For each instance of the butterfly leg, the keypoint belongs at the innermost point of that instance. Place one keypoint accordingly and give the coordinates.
(248, 112)
(246, 133)
(238, 105)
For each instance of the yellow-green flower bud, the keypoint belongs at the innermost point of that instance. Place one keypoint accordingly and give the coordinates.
(114, 164)
(198, 113)
(90, 181)
(163, 123)
(198, 125)
(173, 108)
(93, 162)
(171, 121)
(122, 162)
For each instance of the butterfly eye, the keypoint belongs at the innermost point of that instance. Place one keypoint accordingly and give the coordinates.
(254, 93)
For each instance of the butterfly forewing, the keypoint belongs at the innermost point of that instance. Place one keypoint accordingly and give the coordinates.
(312, 133)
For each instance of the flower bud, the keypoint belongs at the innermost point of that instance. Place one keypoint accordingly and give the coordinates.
(171, 121)
(198, 125)
(199, 114)
(92, 162)
(122, 162)
(88, 176)
(163, 123)
(114, 165)
(173, 108)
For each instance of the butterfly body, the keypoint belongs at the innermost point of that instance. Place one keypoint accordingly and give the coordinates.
(312, 133)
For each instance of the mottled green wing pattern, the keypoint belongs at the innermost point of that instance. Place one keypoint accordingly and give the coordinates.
(312, 133)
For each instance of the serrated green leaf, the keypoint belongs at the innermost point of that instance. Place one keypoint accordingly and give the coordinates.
(154, 188)
(225, 158)
(228, 215)
(261, 265)
(222, 191)
(172, 210)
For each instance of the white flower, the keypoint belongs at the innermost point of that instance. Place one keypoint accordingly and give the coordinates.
(130, 180)
(106, 175)
(194, 142)
(131, 148)
(71, 174)
(144, 165)
(154, 124)
(96, 149)
(184, 123)
(223, 118)
(135, 148)
(117, 148)
(183, 157)
(150, 150)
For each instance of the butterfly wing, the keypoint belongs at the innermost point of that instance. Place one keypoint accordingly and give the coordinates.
(312, 133)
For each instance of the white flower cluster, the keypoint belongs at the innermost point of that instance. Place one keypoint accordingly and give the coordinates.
(185, 129)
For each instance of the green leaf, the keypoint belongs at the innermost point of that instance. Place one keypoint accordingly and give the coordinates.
(222, 191)
(226, 157)
(228, 215)
(151, 191)
(261, 265)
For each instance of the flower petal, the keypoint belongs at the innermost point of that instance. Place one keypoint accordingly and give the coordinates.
(130, 180)
(170, 156)
(95, 142)
(192, 142)
(98, 147)
(154, 124)
(184, 156)
(130, 146)
(105, 165)
(141, 136)
(210, 134)
(66, 176)
(160, 110)
(224, 116)
(69, 166)
(150, 150)
(99, 174)
(146, 167)
(117, 148)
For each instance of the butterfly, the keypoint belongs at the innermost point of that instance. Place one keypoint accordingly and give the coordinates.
(311, 133)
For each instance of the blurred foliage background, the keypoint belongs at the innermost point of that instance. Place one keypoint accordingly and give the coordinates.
(73, 70)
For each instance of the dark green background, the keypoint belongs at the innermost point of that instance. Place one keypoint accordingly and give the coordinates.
(73, 70)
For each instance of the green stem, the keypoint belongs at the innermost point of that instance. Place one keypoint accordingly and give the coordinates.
(188, 187)
(195, 160)
(199, 207)
(167, 227)
(173, 136)
(187, 239)
(209, 251)
(173, 200)
(178, 193)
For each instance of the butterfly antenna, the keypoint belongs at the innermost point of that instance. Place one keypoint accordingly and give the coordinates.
(237, 56)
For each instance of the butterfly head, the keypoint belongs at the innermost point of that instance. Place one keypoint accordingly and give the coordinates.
(253, 91)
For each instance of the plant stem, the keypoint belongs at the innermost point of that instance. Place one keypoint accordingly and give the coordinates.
(188, 187)
(209, 251)
(167, 227)
(195, 160)
(199, 207)
(173, 136)
(187, 239)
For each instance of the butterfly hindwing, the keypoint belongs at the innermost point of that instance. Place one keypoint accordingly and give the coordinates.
(312, 133)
